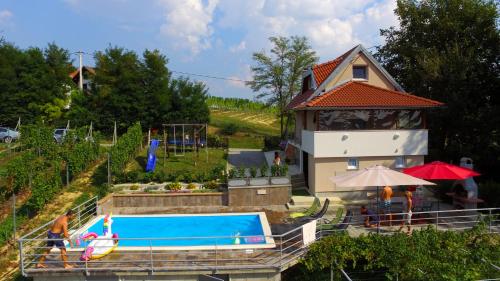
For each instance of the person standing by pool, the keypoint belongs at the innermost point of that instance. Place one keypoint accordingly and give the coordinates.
(58, 231)
(386, 202)
(407, 205)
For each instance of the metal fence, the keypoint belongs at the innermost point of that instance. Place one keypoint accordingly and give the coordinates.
(287, 249)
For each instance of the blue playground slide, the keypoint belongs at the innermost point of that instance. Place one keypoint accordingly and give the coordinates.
(150, 166)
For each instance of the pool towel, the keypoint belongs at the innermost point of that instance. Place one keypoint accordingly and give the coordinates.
(309, 232)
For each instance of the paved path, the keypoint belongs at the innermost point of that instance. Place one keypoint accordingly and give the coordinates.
(238, 157)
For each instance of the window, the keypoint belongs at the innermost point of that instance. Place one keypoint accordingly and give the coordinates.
(352, 164)
(400, 162)
(359, 72)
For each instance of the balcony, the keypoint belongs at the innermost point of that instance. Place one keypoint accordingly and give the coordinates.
(361, 143)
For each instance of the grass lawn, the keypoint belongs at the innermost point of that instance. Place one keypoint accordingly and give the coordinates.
(252, 128)
(263, 124)
(189, 163)
(240, 140)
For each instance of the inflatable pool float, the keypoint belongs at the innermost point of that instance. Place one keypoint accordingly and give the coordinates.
(100, 246)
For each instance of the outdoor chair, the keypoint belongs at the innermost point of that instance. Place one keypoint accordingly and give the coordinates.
(316, 216)
(345, 223)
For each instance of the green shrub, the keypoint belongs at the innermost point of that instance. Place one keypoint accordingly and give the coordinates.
(188, 177)
(275, 170)
(253, 172)
(148, 177)
(272, 142)
(160, 176)
(174, 186)
(191, 186)
(283, 170)
(232, 173)
(211, 185)
(229, 129)
(133, 176)
(264, 170)
(134, 187)
(241, 172)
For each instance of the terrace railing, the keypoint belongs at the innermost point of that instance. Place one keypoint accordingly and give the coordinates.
(288, 246)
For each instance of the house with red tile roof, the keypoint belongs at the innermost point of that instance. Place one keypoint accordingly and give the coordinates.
(88, 74)
(352, 114)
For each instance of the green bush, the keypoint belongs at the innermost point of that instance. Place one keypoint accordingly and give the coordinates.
(229, 129)
(264, 170)
(191, 186)
(272, 142)
(134, 187)
(232, 173)
(275, 170)
(241, 172)
(174, 186)
(211, 185)
(427, 254)
(253, 172)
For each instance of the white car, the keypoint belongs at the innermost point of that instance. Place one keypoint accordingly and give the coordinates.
(8, 135)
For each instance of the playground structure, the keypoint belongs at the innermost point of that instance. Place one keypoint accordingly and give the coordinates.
(151, 164)
(178, 136)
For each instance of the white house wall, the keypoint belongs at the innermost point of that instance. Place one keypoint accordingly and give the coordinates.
(364, 143)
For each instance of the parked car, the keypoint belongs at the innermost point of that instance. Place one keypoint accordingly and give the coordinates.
(59, 135)
(8, 135)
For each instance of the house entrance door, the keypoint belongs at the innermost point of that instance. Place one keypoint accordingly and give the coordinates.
(305, 167)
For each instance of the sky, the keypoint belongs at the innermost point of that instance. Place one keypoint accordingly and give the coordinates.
(210, 37)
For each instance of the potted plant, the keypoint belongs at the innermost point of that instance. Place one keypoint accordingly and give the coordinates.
(264, 170)
(241, 172)
(236, 177)
(254, 180)
(279, 175)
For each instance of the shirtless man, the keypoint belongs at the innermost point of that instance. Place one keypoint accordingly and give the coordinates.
(407, 206)
(386, 202)
(59, 230)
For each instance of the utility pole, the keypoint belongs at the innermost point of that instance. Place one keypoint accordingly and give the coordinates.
(80, 82)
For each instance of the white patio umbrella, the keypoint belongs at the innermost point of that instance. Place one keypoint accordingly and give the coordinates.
(377, 176)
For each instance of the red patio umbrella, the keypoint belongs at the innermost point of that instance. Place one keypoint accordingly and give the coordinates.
(440, 171)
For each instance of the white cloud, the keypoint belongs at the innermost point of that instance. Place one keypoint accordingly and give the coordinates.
(5, 16)
(333, 26)
(188, 23)
(238, 48)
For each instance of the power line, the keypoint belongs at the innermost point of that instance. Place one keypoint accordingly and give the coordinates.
(210, 76)
(192, 74)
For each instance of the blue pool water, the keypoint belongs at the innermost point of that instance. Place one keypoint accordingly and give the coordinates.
(184, 226)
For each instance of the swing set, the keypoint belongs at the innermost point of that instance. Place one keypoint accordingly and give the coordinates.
(185, 135)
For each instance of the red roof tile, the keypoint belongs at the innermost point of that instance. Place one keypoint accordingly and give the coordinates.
(360, 94)
(322, 71)
(300, 98)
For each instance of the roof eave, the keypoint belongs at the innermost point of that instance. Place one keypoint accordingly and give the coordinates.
(366, 107)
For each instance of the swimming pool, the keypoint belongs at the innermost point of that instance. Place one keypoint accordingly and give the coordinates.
(201, 231)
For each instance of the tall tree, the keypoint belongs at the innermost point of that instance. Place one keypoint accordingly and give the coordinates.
(449, 50)
(277, 77)
(33, 83)
(128, 89)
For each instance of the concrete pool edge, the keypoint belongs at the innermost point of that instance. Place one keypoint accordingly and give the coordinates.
(266, 229)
